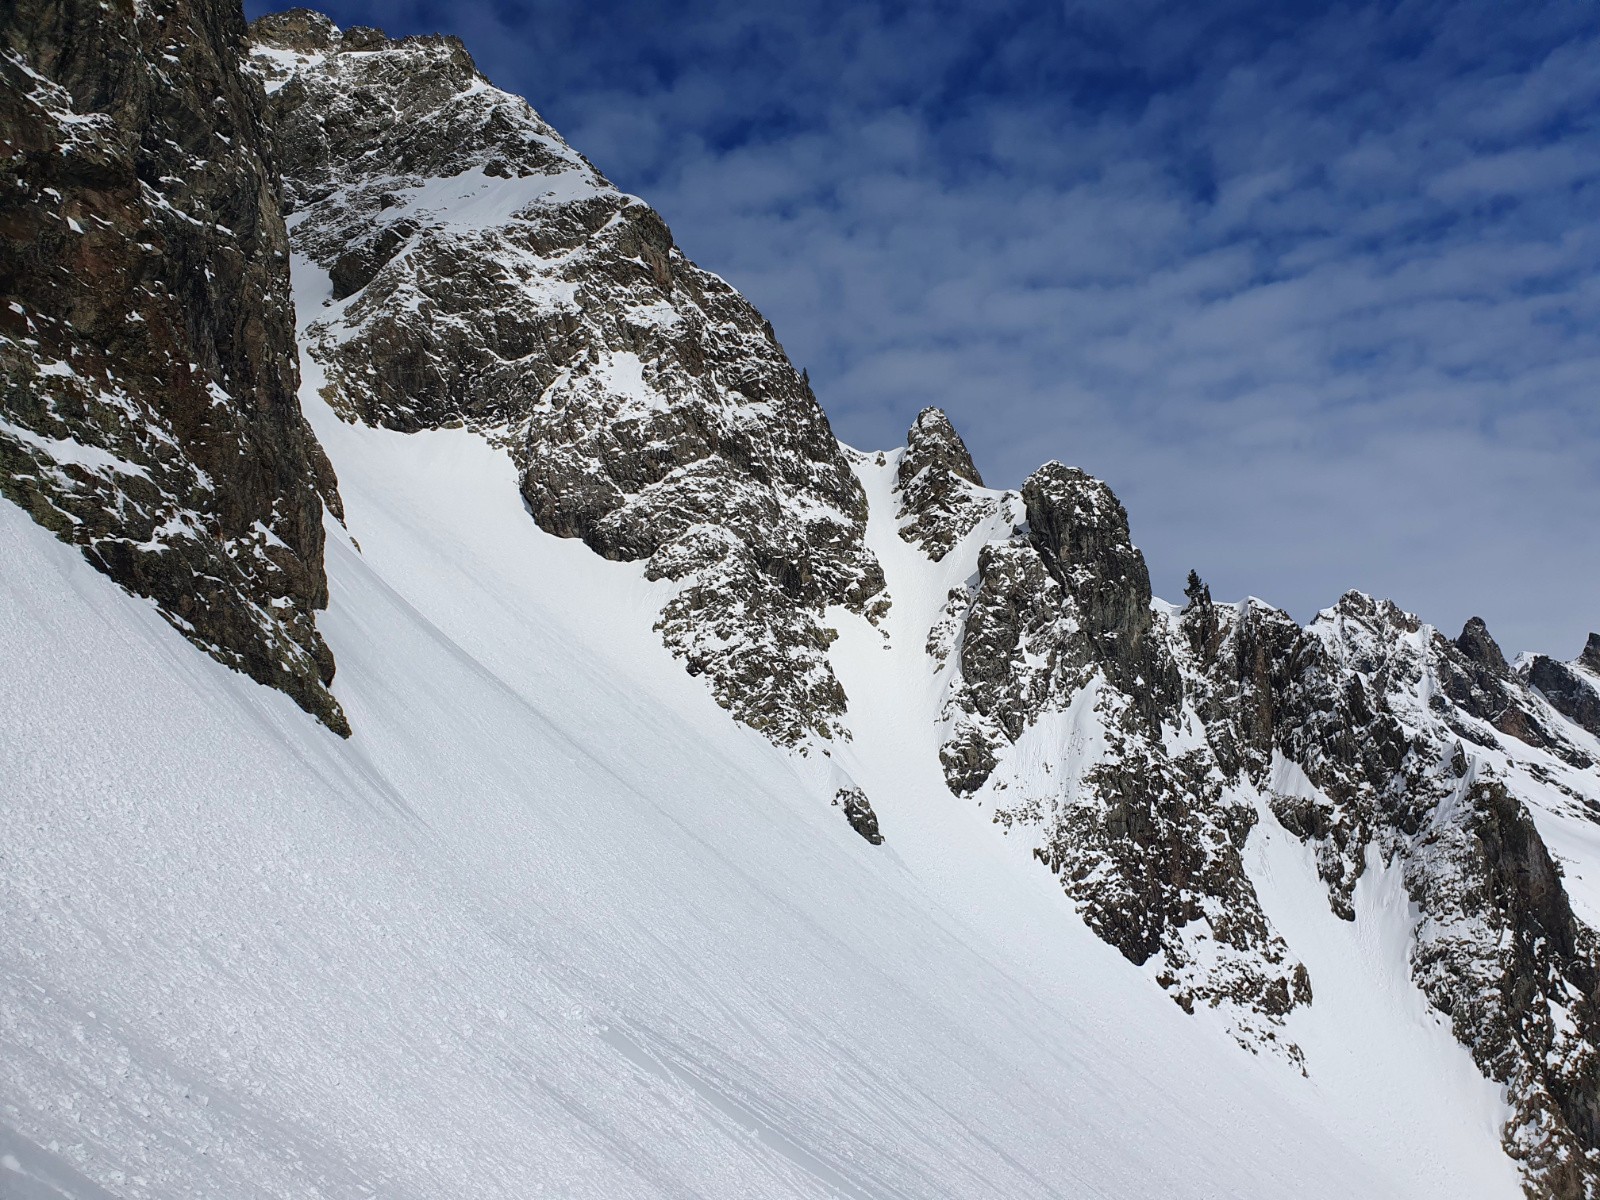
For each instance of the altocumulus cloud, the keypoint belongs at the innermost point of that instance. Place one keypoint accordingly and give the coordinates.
(1315, 288)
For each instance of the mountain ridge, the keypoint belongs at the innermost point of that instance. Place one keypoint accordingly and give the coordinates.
(458, 267)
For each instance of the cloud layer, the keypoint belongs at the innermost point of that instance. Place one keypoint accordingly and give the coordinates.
(1314, 288)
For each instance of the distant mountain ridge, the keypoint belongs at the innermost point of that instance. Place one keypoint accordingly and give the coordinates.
(476, 271)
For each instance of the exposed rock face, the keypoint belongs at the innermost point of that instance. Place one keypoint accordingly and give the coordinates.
(1500, 952)
(858, 811)
(1059, 648)
(1479, 680)
(1080, 531)
(488, 274)
(1062, 599)
(1573, 691)
(1391, 764)
(480, 271)
(1137, 749)
(1476, 644)
(941, 497)
(148, 376)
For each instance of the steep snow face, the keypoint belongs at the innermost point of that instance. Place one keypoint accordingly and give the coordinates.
(550, 923)
(483, 272)
(480, 272)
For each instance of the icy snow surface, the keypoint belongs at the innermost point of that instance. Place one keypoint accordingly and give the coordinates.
(552, 924)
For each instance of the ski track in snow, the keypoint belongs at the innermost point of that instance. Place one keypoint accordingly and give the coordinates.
(551, 924)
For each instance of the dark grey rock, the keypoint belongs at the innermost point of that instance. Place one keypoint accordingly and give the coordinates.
(940, 490)
(648, 406)
(1571, 694)
(1148, 843)
(1479, 647)
(1080, 531)
(1498, 948)
(858, 811)
(144, 263)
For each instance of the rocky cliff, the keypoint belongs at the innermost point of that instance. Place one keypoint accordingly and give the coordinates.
(458, 264)
(1138, 745)
(481, 271)
(148, 378)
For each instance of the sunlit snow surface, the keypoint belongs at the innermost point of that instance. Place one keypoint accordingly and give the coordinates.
(551, 924)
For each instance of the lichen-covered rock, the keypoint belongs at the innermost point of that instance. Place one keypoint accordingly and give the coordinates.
(148, 371)
(941, 493)
(486, 273)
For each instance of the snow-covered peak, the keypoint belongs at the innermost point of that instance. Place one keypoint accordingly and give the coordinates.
(480, 271)
(941, 494)
(633, 651)
(376, 133)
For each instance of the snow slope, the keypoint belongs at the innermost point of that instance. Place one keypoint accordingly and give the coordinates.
(551, 923)
(1382, 1061)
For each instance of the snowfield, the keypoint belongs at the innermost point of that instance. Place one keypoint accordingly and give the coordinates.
(552, 924)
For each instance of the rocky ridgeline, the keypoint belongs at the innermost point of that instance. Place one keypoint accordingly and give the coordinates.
(481, 272)
(148, 409)
(1059, 658)
(1411, 747)
(1139, 747)
(1570, 687)
(485, 273)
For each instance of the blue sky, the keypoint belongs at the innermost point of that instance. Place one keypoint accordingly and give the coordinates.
(1316, 288)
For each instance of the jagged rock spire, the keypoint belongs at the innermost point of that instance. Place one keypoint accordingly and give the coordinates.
(1477, 644)
(934, 443)
(1080, 530)
(936, 482)
(1591, 654)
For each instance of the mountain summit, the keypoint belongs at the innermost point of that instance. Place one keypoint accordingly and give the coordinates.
(717, 809)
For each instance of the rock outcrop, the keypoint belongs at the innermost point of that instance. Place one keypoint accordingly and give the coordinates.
(941, 493)
(484, 272)
(476, 270)
(1392, 756)
(1137, 747)
(1573, 689)
(858, 812)
(148, 376)
(1061, 656)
